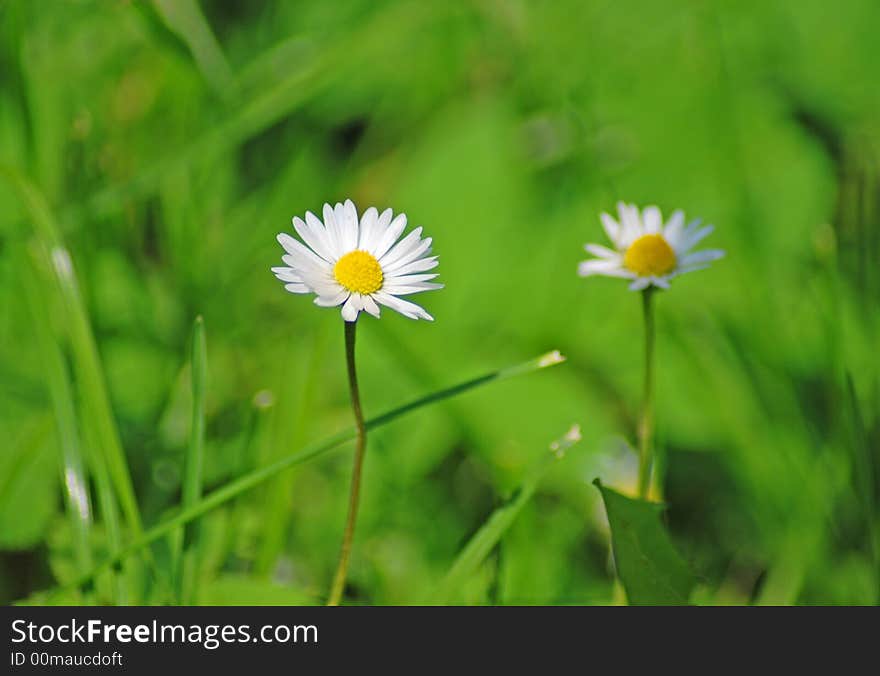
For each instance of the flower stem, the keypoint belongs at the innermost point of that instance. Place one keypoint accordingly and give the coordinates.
(360, 445)
(646, 424)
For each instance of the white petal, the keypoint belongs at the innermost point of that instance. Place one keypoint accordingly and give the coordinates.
(349, 226)
(300, 253)
(287, 275)
(601, 251)
(297, 288)
(409, 290)
(694, 237)
(402, 248)
(612, 227)
(409, 279)
(390, 236)
(332, 300)
(315, 236)
(349, 312)
(334, 234)
(704, 256)
(384, 219)
(631, 224)
(640, 283)
(370, 306)
(652, 220)
(419, 265)
(674, 228)
(404, 307)
(603, 267)
(660, 282)
(369, 221)
(395, 259)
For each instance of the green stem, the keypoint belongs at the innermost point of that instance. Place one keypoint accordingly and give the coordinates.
(646, 423)
(360, 446)
(261, 475)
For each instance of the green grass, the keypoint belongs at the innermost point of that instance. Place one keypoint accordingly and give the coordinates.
(159, 147)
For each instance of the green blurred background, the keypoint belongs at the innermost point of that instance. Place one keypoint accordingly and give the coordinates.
(172, 140)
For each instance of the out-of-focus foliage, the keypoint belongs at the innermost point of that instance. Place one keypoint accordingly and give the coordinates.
(172, 141)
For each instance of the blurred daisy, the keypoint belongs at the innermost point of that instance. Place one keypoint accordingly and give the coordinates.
(648, 251)
(358, 263)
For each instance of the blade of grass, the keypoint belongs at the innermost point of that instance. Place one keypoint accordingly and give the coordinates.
(490, 533)
(90, 377)
(186, 20)
(864, 477)
(186, 546)
(73, 466)
(260, 475)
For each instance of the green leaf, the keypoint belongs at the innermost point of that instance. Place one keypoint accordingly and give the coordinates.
(650, 568)
(484, 540)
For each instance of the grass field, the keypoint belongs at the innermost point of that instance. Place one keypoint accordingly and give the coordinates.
(151, 151)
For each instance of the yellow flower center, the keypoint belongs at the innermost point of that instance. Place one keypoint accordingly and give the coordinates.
(359, 272)
(650, 255)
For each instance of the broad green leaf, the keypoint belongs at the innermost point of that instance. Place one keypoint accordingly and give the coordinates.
(650, 568)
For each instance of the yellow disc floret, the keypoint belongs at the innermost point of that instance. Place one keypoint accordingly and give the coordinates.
(359, 272)
(650, 255)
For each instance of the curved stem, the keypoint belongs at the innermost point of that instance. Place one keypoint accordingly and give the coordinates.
(360, 445)
(646, 424)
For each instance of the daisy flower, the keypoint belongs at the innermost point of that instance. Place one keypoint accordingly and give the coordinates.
(358, 263)
(646, 250)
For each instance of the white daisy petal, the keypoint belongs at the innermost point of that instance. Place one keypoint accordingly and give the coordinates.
(402, 248)
(349, 311)
(631, 225)
(315, 236)
(334, 233)
(601, 251)
(287, 275)
(603, 267)
(704, 256)
(674, 228)
(369, 222)
(370, 306)
(419, 265)
(390, 236)
(297, 288)
(691, 239)
(300, 254)
(404, 307)
(332, 300)
(385, 219)
(652, 221)
(350, 225)
(409, 279)
(394, 259)
(612, 227)
(640, 283)
(660, 282)
(408, 290)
